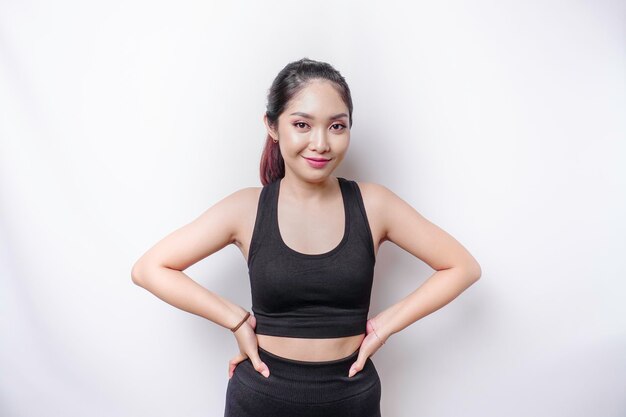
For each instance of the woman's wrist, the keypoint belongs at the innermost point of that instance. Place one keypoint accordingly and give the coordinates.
(234, 317)
(381, 328)
(241, 322)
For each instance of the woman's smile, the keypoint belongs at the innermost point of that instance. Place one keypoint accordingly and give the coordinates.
(317, 162)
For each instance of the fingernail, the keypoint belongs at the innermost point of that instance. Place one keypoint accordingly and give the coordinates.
(352, 372)
(266, 373)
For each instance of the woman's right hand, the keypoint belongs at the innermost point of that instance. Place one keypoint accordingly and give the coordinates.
(248, 348)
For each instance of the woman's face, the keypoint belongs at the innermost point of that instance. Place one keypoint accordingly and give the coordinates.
(315, 124)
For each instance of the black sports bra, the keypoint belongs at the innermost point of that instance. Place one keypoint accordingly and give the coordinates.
(322, 295)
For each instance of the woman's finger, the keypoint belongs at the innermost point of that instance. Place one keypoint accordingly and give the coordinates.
(259, 365)
(359, 364)
(369, 346)
(232, 364)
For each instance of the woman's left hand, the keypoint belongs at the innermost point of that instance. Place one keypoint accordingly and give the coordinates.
(370, 344)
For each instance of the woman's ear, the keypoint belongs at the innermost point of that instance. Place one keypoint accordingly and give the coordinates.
(270, 130)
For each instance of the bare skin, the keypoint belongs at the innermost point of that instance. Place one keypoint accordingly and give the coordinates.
(310, 217)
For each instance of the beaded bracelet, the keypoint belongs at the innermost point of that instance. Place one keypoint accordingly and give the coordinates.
(234, 329)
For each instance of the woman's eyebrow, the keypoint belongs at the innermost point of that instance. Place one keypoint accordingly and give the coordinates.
(308, 116)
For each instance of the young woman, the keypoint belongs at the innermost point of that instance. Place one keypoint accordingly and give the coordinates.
(310, 240)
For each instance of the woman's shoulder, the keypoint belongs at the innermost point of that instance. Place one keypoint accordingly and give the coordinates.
(373, 195)
(378, 198)
(389, 214)
(239, 210)
(372, 191)
(238, 204)
(244, 197)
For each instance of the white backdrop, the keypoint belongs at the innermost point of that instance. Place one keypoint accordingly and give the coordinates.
(503, 122)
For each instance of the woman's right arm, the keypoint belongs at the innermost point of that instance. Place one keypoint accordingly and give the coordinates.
(159, 270)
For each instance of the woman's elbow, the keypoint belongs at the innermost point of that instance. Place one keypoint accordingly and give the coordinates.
(137, 274)
(475, 271)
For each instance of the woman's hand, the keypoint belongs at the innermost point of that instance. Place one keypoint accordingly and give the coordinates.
(248, 348)
(369, 345)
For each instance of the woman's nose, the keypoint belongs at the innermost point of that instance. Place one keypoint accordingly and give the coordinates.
(319, 140)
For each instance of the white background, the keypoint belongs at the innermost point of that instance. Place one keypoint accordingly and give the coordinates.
(503, 122)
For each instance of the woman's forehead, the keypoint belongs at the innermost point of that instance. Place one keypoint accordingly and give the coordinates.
(318, 100)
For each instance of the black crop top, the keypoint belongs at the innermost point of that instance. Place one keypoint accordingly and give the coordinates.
(322, 295)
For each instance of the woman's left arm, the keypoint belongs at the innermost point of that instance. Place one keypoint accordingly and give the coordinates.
(456, 269)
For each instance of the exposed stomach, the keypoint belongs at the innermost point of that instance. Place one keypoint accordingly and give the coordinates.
(306, 349)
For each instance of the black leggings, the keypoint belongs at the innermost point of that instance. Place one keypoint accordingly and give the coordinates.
(303, 389)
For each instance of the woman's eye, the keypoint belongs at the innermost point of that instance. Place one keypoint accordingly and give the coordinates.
(303, 125)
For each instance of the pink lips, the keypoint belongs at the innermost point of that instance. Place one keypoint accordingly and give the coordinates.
(317, 162)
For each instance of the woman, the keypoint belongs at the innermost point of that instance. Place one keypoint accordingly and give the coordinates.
(310, 240)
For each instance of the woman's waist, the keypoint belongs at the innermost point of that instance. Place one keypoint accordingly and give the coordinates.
(310, 349)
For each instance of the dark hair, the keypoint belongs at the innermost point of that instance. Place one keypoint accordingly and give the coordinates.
(289, 81)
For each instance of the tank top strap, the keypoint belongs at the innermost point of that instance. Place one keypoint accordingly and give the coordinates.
(359, 224)
(263, 224)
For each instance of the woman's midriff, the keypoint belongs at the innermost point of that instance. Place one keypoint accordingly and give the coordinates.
(306, 349)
